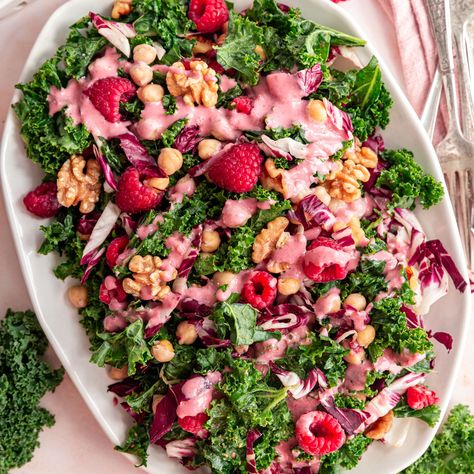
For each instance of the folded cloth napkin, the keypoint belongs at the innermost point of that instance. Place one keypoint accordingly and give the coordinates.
(417, 52)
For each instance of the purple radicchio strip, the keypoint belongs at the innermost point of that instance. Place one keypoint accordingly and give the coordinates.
(283, 317)
(165, 415)
(443, 338)
(117, 33)
(93, 258)
(375, 143)
(87, 222)
(339, 119)
(251, 463)
(414, 320)
(106, 169)
(299, 388)
(188, 139)
(310, 79)
(207, 334)
(350, 419)
(311, 212)
(203, 167)
(181, 448)
(345, 238)
(124, 387)
(139, 157)
(192, 253)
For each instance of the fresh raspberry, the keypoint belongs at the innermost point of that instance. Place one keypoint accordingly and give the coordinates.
(111, 291)
(43, 200)
(319, 433)
(243, 104)
(194, 424)
(334, 267)
(115, 248)
(133, 196)
(209, 15)
(260, 290)
(238, 169)
(106, 95)
(419, 397)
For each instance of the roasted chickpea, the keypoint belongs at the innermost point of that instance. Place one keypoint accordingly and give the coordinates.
(222, 278)
(144, 53)
(141, 74)
(208, 147)
(210, 241)
(322, 194)
(118, 373)
(317, 110)
(157, 183)
(78, 296)
(355, 356)
(162, 351)
(202, 46)
(186, 333)
(356, 300)
(378, 429)
(288, 286)
(151, 93)
(334, 303)
(170, 160)
(366, 336)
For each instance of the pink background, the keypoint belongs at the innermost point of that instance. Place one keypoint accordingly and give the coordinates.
(76, 444)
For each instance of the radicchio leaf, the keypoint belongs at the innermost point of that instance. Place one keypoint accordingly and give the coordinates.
(310, 79)
(339, 119)
(124, 387)
(187, 139)
(252, 436)
(86, 223)
(106, 169)
(286, 317)
(117, 33)
(92, 259)
(443, 338)
(181, 448)
(375, 143)
(165, 415)
(192, 253)
(284, 148)
(350, 419)
(311, 212)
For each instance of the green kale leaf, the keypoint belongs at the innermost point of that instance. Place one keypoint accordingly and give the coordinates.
(347, 457)
(429, 414)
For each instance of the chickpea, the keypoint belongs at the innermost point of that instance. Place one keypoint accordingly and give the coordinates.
(355, 356)
(151, 93)
(378, 429)
(334, 304)
(222, 278)
(141, 74)
(77, 296)
(208, 147)
(317, 110)
(144, 53)
(186, 333)
(210, 241)
(116, 373)
(336, 205)
(156, 400)
(157, 183)
(366, 336)
(356, 300)
(322, 194)
(162, 351)
(170, 160)
(288, 286)
(261, 52)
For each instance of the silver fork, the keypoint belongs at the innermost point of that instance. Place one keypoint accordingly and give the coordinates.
(455, 153)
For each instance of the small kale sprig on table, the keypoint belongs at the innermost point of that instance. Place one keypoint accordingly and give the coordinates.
(24, 380)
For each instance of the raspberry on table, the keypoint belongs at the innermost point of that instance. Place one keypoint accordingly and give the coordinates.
(260, 290)
(194, 424)
(208, 15)
(43, 200)
(328, 271)
(319, 433)
(115, 248)
(238, 169)
(419, 397)
(243, 104)
(107, 93)
(133, 196)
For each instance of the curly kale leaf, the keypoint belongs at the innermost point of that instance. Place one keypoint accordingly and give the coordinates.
(24, 380)
(348, 456)
(452, 449)
(322, 352)
(408, 182)
(429, 414)
(137, 442)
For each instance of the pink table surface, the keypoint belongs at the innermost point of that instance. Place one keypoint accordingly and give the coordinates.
(76, 443)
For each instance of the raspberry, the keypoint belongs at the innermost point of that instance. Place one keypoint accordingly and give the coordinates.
(260, 290)
(43, 201)
(238, 169)
(319, 433)
(243, 104)
(419, 397)
(115, 248)
(209, 15)
(106, 95)
(194, 424)
(132, 196)
(111, 290)
(331, 267)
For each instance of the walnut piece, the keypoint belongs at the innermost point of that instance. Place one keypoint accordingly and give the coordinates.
(121, 8)
(267, 240)
(147, 279)
(75, 186)
(272, 177)
(378, 429)
(364, 156)
(197, 85)
(344, 183)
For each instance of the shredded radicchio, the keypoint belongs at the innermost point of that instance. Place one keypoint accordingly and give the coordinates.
(192, 253)
(443, 338)
(283, 317)
(91, 259)
(117, 33)
(187, 139)
(311, 212)
(310, 79)
(375, 143)
(106, 169)
(124, 387)
(165, 415)
(339, 119)
(252, 436)
(350, 419)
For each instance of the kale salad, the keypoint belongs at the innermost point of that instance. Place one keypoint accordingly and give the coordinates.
(251, 270)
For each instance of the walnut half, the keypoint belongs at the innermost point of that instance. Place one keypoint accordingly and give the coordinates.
(266, 241)
(121, 8)
(75, 186)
